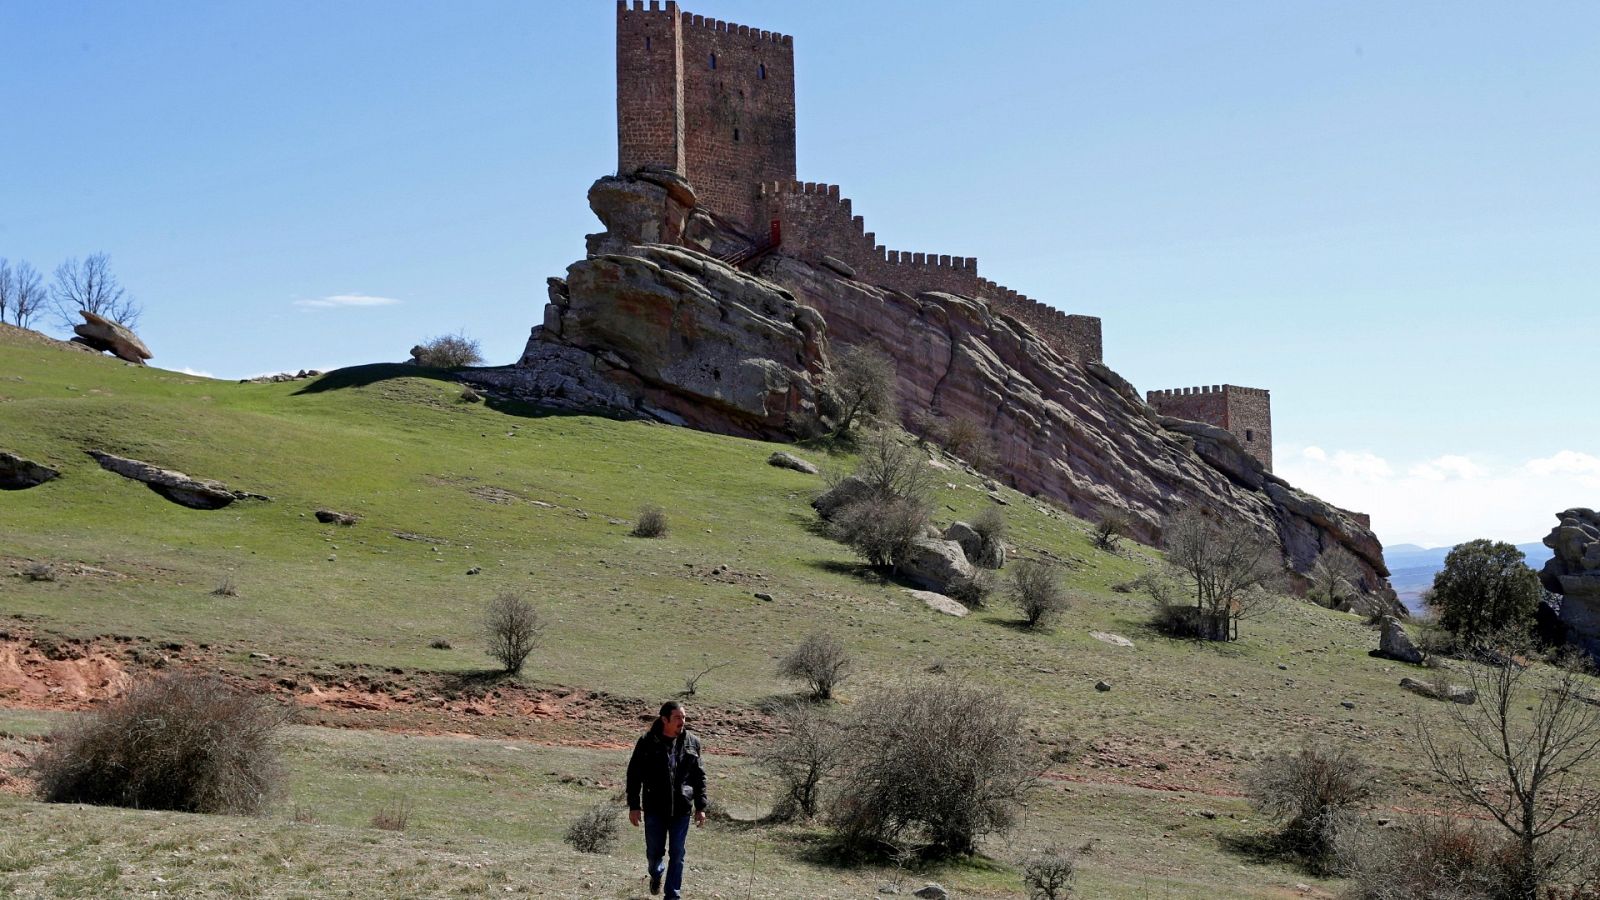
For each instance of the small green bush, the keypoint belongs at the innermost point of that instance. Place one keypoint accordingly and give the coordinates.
(652, 522)
(595, 830)
(447, 351)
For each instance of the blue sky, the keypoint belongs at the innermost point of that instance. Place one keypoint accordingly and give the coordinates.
(1386, 213)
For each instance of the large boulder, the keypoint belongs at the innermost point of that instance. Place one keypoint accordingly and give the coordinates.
(100, 333)
(785, 460)
(971, 542)
(936, 563)
(1573, 571)
(1394, 643)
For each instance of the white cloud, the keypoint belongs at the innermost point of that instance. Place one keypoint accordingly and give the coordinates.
(1448, 498)
(346, 300)
(196, 372)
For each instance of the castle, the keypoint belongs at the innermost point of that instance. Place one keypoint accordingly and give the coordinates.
(714, 102)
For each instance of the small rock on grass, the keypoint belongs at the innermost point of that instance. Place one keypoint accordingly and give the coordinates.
(933, 890)
(789, 461)
(1102, 686)
(761, 595)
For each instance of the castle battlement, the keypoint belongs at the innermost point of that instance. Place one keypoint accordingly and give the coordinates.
(1244, 412)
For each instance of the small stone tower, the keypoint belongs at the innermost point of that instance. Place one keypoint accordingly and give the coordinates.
(1246, 413)
(710, 100)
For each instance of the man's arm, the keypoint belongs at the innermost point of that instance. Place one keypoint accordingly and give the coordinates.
(697, 780)
(635, 779)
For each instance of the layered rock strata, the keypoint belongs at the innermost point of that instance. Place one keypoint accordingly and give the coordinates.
(671, 333)
(1574, 573)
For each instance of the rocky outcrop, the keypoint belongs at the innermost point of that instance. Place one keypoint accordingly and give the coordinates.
(670, 333)
(18, 474)
(195, 493)
(673, 335)
(936, 563)
(99, 333)
(1574, 573)
(1395, 644)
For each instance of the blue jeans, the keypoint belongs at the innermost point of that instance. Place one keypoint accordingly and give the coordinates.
(657, 832)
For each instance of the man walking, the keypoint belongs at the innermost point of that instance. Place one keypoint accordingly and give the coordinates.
(666, 783)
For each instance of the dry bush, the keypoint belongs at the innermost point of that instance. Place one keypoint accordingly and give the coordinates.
(991, 528)
(303, 815)
(225, 587)
(1316, 793)
(1424, 858)
(820, 662)
(1048, 873)
(971, 591)
(892, 469)
(967, 440)
(394, 815)
(881, 530)
(652, 522)
(936, 765)
(447, 351)
(864, 383)
(595, 830)
(1037, 592)
(1335, 579)
(513, 628)
(809, 750)
(181, 742)
(1112, 524)
(439, 644)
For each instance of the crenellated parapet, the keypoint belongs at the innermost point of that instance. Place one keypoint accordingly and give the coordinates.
(1076, 337)
(1244, 412)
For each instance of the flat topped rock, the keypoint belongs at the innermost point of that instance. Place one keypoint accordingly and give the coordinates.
(1109, 638)
(195, 493)
(940, 603)
(101, 333)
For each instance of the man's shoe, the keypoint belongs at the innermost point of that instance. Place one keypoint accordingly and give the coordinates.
(655, 883)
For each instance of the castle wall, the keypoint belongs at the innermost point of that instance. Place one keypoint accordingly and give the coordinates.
(1246, 413)
(650, 120)
(739, 114)
(1075, 337)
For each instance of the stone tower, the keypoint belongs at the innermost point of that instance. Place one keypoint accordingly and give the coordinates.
(711, 100)
(1246, 413)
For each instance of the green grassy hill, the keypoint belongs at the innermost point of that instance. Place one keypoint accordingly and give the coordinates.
(540, 503)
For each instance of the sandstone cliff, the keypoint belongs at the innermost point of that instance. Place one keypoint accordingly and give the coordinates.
(671, 333)
(1574, 573)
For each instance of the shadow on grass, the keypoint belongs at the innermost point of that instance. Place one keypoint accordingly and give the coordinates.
(813, 524)
(374, 373)
(1262, 848)
(474, 682)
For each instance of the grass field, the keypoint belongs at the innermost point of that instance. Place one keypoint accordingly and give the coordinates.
(542, 504)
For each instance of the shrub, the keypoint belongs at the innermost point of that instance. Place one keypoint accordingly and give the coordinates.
(394, 815)
(1047, 873)
(181, 742)
(513, 628)
(966, 439)
(1112, 524)
(1037, 592)
(1335, 579)
(1484, 588)
(937, 764)
(652, 522)
(1424, 858)
(881, 530)
(820, 662)
(991, 528)
(971, 591)
(440, 643)
(808, 750)
(225, 587)
(894, 470)
(1316, 792)
(1229, 569)
(447, 351)
(595, 830)
(864, 382)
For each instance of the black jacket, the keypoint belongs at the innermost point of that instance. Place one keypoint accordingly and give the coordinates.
(658, 787)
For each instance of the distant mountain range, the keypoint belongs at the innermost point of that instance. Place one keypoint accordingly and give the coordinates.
(1411, 568)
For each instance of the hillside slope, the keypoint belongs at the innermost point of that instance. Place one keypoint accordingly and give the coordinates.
(340, 619)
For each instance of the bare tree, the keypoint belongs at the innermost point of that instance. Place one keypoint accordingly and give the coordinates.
(1315, 793)
(7, 286)
(1530, 768)
(820, 661)
(1335, 578)
(1111, 526)
(809, 751)
(90, 285)
(29, 294)
(892, 469)
(863, 378)
(1228, 566)
(513, 628)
